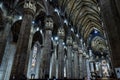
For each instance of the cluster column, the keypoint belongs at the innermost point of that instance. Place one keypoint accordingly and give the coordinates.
(47, 46)
(3, 37)
(84, 65)
(55, 60)
(23, 40)
(69, 57)
(61, 34)
(80, 63)
(75, 58)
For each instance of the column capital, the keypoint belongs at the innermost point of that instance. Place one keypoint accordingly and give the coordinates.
(29, 7)
(75, 46)
(48, 23)
(61, 33)
(69, 41)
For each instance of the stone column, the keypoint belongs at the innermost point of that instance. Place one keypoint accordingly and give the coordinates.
(92, 69)
(55, 73)
(11, 49)
(47, 45)
(53, 62)
(69, 57)
(72, 64)
(88, 67)
(55, 59)
(3, 38)
(84, 65)
(75, 63)
(41, 74)
(80, 63)
(52, 66)
(23, 40)
(56, 68)
(61, 35)
(29, 50)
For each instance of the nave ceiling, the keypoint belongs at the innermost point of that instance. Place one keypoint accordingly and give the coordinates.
(81, 18)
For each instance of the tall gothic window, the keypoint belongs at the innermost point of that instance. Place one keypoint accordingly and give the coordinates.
(34, 62)
(34, 54)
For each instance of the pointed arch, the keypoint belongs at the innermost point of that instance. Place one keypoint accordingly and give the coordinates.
(37, 37)
(16, 30)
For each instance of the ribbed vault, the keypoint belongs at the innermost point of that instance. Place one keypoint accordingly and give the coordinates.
(68, 36)
(83, 14)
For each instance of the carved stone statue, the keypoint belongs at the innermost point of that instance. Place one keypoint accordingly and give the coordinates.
(61, 32)
(69, 40)
(105, 69)
(48, 23)
(30, 5)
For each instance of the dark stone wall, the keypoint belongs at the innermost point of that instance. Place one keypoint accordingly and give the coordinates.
(110, 10)
(118, 6)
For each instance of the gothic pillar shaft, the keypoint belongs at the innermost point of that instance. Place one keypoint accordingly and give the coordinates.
(22, 45)
(41, 71)
(57, 68)
(75, 65)
(69, 62)
(84, 67)
(9, 62)
(80, 66)
(47, 51)
(28, 50)
(23, 41)
(52, 67)
(88, 69)
(60, 59)
(3, 40)
(47, 46)
(92, 66)
(56, 61)
(75, 60)
(96, 66)
(2, 48)
(72, 66)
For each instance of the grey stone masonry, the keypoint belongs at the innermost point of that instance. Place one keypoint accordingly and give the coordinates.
(23, 41)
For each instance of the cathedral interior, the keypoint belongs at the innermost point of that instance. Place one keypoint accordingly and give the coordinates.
(59, 39)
